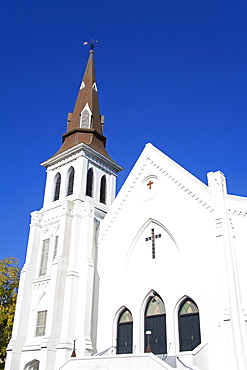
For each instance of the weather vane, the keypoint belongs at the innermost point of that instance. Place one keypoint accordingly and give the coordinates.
(90, 43)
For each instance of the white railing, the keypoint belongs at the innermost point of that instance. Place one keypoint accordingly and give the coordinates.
(106, 350)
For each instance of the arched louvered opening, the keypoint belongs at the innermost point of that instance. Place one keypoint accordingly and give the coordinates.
(103, 189)
(155, 326)
(189, 326)
(70, 186)
(89, 187)
(57, 183)
(85, 118)
(125, 332)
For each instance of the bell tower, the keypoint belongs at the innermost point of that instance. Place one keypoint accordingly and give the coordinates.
(57, 300)
(94, 177)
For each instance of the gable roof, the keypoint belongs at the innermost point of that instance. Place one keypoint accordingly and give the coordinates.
(154, 164)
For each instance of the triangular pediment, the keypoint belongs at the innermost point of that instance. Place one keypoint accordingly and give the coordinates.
(156, 187)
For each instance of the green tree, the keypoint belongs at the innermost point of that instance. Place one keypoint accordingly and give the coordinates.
(9, 281)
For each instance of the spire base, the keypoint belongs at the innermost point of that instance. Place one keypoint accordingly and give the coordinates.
(90, 137)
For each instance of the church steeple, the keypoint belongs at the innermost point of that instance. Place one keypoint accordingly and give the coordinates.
(85, 124)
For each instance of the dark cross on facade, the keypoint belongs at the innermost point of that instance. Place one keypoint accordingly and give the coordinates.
(149, 184)
(90, 43)
(153, 237)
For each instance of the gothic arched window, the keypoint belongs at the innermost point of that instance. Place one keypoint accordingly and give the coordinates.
(57, 183)
(70, 183)
(125, 332)
(32, 365)
(189, 326)
(155, 326)
(103, 189)
(89, 187)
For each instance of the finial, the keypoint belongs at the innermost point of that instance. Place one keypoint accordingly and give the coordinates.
(90, 43)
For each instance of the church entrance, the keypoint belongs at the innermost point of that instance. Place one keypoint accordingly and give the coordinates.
(155, 326)
(189, 326)
(125, 333)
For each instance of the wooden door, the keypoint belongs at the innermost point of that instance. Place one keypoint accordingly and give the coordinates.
(189, 332)
(157, 340)
(189, 326)
(124, 337)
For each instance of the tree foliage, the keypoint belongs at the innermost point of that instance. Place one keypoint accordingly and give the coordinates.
(9, 281)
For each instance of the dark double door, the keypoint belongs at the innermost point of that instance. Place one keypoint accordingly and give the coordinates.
(125, 337)
(157, 340)
(189, 331)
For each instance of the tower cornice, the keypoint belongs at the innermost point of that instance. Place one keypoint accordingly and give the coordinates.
(78, 150)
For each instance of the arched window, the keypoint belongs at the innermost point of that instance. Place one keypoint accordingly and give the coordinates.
(189, 326)
(44, 257)
(70, 186)
(125, 333)
(41, 316)
(103, 190)
(32, 365)
(155, 322)
(89, 188)
(57, 183)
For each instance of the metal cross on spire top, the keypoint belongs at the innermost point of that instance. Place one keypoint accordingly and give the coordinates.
(90, 43)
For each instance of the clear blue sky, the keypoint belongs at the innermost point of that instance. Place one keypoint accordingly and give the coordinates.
(170, 72)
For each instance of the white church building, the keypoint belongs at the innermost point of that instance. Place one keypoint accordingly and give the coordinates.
(154, 278)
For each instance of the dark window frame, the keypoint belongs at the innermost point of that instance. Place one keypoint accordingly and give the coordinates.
(70, 185)
(103, 189)
(89, 186)
(189, 329)
(57, 185)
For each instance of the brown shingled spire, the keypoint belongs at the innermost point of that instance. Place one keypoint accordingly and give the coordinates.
(85, 123)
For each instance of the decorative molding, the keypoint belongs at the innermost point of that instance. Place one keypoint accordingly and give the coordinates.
(219, 227)
(90, 261)
(42, 283)
(85, 151)
(232, 229)
(65, 344)
(51, 220)
(226, 314)
(88, 343)
(36, 218)
(64, 161)
(72, 274)
(134, 181)
(237, 213)
(66, 208)
(182, 187)
(60, 165)
(98, 163)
